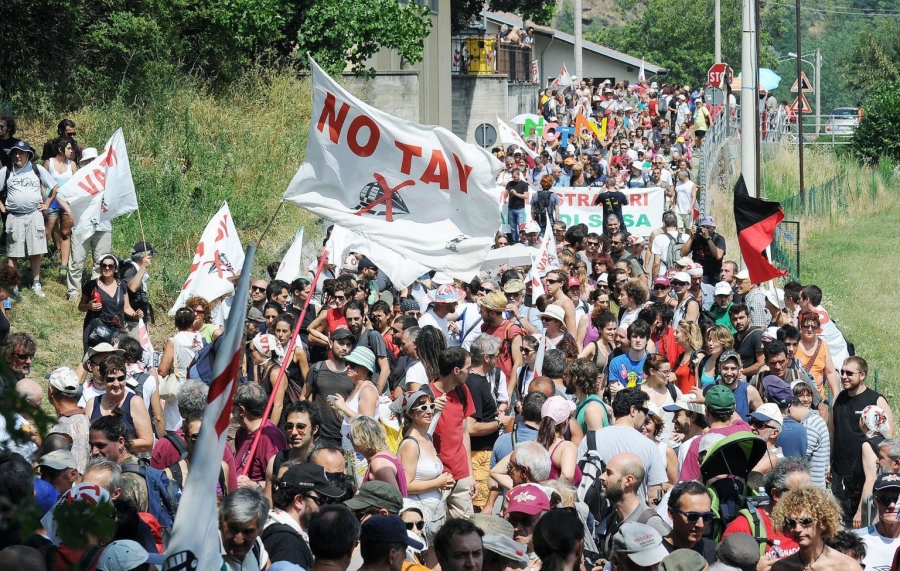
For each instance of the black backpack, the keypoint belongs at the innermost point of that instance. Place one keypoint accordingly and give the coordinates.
(541, 208)
(590, 490)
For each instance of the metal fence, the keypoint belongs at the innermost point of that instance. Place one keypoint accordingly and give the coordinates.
(714, 143)
(786, 248)
(487, 55)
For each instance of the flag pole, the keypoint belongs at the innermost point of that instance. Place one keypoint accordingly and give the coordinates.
(140, 223)
(269, 225)
(288, 356)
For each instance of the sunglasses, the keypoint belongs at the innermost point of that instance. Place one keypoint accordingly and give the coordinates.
(844, 372)
(194, 437)
(25, 356)
(116, 379)
(289, 427)
(660, 287)
(526, 351)
(887, 499)
(424, 407)
(340, 297)
(617, 243)
(620, 282)
(107, 266)
(804, 522)
(257, 288)
(319, 500)
(593, 243)
(554, 281)
(420, 525)
(758, 424)
(694, 517)
(484, 290)
(678, 284)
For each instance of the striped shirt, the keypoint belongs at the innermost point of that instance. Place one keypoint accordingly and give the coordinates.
(818, 447)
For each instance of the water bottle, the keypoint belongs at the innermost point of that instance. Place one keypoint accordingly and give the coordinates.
(775, 552)
(7, 304)
(95, 297)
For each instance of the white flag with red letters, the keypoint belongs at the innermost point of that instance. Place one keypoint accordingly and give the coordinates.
(545, 261)
(417, 190)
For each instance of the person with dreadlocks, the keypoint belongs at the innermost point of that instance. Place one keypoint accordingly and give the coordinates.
(430, 343)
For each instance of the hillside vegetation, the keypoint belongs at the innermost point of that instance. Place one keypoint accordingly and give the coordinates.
(190, 149)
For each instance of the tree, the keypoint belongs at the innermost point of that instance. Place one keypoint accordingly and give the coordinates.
(538, 11)
(874, 57)
(878, 134)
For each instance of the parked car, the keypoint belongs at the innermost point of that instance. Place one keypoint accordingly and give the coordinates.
(843, 121)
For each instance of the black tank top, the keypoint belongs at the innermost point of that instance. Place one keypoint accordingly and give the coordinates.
(848, 438)
(126, 407)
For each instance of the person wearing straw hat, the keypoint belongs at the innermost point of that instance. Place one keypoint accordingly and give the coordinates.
(24, 204)
(553, 319)
(443, 303)
(510, 358)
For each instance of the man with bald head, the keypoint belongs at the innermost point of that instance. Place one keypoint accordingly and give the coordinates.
(332, 459)
(622, 480)
(542, 385)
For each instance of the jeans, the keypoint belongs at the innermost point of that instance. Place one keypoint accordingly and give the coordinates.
(516, 217)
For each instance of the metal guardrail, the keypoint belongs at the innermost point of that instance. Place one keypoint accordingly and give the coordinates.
(786, 248)
(781, 128)
(713, 144)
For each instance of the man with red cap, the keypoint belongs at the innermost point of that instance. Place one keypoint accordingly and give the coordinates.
(526, 503)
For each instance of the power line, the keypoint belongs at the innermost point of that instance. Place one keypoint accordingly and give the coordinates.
(833, 11)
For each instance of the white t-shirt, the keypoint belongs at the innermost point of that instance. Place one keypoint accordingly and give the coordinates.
(665, 175)
(431, 318)
(470, 323)
(660, 247)
(879, 549)
(416, 374)
(24, 189)
(683, 201)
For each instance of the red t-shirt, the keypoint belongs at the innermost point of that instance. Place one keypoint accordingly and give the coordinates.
(388, 337)
(272, 442)
(448, 434)
(741, 525)
(505, 332)
(165, 454)
(335, 317)
(668, 347)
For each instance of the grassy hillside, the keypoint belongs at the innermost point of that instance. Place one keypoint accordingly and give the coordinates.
(190, 150)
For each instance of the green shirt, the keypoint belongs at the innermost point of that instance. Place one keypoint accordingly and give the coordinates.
(722, 317)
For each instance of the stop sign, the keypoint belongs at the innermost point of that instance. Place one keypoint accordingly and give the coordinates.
(714, 75)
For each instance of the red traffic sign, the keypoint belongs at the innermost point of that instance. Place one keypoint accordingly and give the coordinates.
(714, 75)
(801, 104)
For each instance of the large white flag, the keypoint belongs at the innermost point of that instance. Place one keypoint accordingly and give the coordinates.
(545, 261)
(195, 541)
(290, 267)
(102, 190)
(216, 259)
(508, 136)
(402, 272)
(417, 190)
(641, 74)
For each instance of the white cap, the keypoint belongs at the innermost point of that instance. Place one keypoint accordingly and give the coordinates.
(694, 270)
(742, 275)
(768, 412)
(65, 380)
(532, 227)
(124, 555)
(723, 288)
(441, 278)
(513, 552)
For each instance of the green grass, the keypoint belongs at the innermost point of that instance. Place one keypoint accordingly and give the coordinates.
(190, 150)
(852, 263)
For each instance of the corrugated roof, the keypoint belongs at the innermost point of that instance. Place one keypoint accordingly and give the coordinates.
(513, 20)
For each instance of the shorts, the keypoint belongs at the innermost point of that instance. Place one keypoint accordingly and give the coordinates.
(25, 231)
(481, 466)
(51, 212)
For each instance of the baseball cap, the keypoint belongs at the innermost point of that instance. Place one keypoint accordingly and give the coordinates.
(739, 550)
(309, 477)
(723, 288)
(557, 408)
(768, 412)
(512, 551)
(58, 460)
(513, 286)
(641, 543)
(708, 441)
(707, 221)
(143, 247)
(720, 399)
(366, 263)
(124, 555)
(682, 277)
(742, 275)
(527, 499)
(886, 481)
(255, 315)
(777, 390)
(386, 530)
(569, 161)
(683, 560)
(684, 261)
(573, 282)
(685, 404)
(341, 332)
(730, 354)
(376, 493)
(532, 227)
(65, 380)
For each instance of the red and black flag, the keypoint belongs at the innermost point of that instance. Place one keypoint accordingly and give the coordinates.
(756, 221)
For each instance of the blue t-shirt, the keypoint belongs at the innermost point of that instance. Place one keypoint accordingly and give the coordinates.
(504, 444)
(793, 439)
(627, 372)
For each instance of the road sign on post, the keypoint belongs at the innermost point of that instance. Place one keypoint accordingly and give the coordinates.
(805, 85)
(714, 96)
(714, 75)
(801, 104)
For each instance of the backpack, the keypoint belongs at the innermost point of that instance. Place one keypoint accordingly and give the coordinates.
(163, 494)
(540, 210)
(4, 192)
(673, 252)
(178, 476)
(201, 366)
(88, 560)
(180, 447)
(590, 490)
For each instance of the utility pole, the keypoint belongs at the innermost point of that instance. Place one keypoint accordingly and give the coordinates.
(749, 98)
(818, 90)
(577, 16)
(718, 13)
(800, 95)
